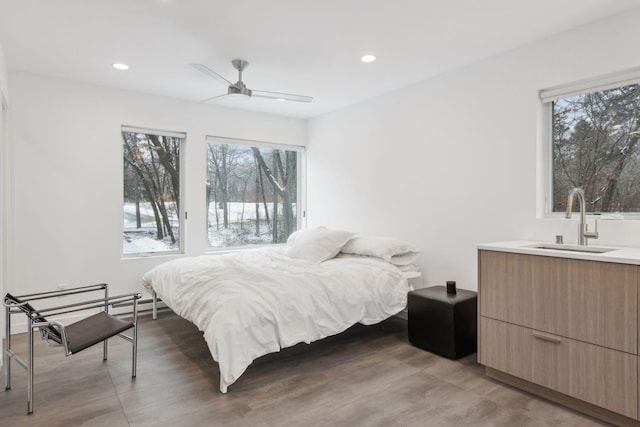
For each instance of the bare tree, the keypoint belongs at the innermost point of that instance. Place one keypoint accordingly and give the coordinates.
(595, 147)
(218, 157)
(155, 161)
(240, 175)
(282, 188)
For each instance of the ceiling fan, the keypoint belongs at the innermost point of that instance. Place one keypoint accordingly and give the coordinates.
(239, 88)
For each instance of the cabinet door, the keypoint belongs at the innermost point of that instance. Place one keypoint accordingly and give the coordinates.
(589, 301)
(604, 377)
(505, 288)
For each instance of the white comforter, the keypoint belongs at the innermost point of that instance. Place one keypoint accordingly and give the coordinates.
(255, 302)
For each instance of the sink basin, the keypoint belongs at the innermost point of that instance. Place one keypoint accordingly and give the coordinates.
(572, 248)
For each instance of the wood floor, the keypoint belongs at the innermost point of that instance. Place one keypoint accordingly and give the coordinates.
(367, 376)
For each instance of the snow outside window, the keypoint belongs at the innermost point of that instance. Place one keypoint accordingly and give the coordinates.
(595, 145)
(151, 202)
(253, 192)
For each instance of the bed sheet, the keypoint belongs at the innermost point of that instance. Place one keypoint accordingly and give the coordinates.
(254, 302)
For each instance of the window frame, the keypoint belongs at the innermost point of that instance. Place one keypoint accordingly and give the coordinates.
(301, 176)
(545, 131)
(182, 216)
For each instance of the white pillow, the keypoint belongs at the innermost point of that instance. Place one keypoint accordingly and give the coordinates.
(404, 259)
(408, 267)
(317, 244)
(395, 251)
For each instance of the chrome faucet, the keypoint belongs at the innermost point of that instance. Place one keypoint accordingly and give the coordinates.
(583, 233)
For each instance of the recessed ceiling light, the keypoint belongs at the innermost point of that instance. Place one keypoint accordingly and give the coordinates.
(368, 58)
(119, 66)
(281, 99)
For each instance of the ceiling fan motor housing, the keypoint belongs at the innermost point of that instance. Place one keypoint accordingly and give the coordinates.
(239, 89)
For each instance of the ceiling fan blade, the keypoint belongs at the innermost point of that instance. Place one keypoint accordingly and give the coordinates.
(279, 95)
(209, 72)
(214, 97)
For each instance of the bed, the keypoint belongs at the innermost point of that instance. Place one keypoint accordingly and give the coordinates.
(257, 301)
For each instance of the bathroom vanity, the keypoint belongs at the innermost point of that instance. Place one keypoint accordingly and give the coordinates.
(562, 322)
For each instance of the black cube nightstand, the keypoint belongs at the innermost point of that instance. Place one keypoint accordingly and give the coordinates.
(445, 324)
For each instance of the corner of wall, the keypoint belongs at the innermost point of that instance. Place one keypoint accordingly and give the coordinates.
(4, 76)
(4, 188)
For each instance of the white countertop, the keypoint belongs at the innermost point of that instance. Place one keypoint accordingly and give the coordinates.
(619, 254)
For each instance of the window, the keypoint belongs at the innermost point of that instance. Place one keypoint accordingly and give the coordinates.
(151, 203)
(253, 192)
(595, 133)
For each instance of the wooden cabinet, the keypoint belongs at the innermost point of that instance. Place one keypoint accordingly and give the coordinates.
(595, 374)
(596, 302)
(567, 325)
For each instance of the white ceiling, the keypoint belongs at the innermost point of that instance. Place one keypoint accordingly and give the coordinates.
(294, 46)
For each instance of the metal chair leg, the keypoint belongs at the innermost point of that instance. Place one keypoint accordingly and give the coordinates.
(134, 362)
(7, 350)
(155, 305)
(106, 310)
(30, 368)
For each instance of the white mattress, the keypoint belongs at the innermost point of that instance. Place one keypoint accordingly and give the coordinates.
(254, 302)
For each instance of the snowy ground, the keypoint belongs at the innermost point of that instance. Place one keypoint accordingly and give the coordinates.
(241, 231)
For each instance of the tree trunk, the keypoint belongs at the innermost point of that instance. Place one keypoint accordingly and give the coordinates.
(275, 202)
(215, 207)
(280, 191)
(257, 201)
(166, 221)
(612, 180)
(220, 165)
(166, 161)
(138, 217)
(159, 184)
(263, 194)
(288, 194)
(148, 188)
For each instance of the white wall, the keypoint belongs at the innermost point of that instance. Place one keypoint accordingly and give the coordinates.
(4, 185)
(462, 153)
(67, 176)
(4, 80)
(462, 149)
